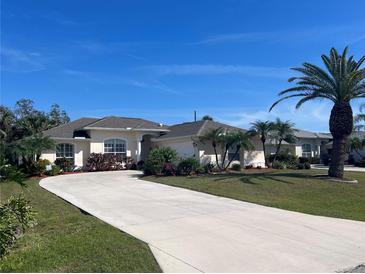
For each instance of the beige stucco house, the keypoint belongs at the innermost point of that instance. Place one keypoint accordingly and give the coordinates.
(308, 144)
(135, 137)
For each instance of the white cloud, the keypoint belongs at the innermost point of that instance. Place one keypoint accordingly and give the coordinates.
(15, 60)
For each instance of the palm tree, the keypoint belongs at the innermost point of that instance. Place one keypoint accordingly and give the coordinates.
(342, 82)
(262, 129)
(355, 144)
(215, 137)
(283, 131)
(359, 118)
(242, 140)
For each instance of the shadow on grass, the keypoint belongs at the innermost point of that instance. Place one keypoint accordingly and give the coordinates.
(254, 178)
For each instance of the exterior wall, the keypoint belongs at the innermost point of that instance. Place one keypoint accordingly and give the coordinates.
(204, 152)
(81, 151)
(296, 149)
(132, 141)
(183, 146)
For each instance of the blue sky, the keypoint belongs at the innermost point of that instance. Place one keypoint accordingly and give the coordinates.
(161, 60)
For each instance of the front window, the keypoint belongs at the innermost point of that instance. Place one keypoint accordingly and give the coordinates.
(115, 146)
(65, 151)
(306, 150)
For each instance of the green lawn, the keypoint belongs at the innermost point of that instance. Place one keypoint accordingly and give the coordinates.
(66, 240)
(289, 189)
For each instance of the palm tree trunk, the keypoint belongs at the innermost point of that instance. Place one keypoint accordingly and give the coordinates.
(277, 150)
(234, 156)
(224, 157)
(264, 150)
(216, 156)
(341, 124)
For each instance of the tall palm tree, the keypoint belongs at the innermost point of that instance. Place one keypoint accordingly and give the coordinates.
(215, 137)
(262, 129)
(342, 82)
(242, 140)
(282, 131)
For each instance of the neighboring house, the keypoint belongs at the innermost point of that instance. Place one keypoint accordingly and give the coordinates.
(185, 139)
(356, 155)
(134, 137)
(308, 144)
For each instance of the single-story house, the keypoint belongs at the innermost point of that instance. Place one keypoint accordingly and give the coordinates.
(308, 144)
(357, 155)
(135, 137)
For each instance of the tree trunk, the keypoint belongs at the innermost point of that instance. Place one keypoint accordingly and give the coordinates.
(224, 156)
(234, 156)
(263, 140)
(216, 155)
(341, 124)
(277, 150)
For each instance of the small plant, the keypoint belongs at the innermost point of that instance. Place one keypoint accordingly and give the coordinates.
(236, 167)
(67, 165)
(168, 169)
(248, 166)
(303, 160)
(10, 173)
(55, 170)
(16, 215)
(187, 166)
(140, 165)
(209, 167)
(278, 165)
(307, 166)
(200, 170)
(41, 166)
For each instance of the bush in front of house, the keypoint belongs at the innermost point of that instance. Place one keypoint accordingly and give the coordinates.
(41, 166)
(67, 165)
(161, 161)
(360, 163)
(106, 162)
(208, 168)
(188, 165)
(305, 165)
(278, 165)
(326, 159)
(55, 170)
(16, 215)
(236, 167)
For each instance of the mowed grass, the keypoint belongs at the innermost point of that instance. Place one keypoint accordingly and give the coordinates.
(288, 189)
(66, 240)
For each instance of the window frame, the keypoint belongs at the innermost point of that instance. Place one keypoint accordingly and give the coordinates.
(113, 146)
(306, 153)
(63, 152)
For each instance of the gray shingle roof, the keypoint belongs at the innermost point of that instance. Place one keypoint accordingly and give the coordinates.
(197, 128)
(67, 130)
(124, 122)
(308, 134)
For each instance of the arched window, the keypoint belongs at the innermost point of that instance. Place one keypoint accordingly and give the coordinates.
(306, 150)
(65, 151)
(115, 146)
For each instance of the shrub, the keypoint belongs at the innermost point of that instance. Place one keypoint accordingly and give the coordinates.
(168, 169)
(236, 167)
(307, 166)
(326, 159)
(67, 165)
(278, 165)
(315, 160)
(41, 165)
(157, 159)
(16, 215)
(55, 170)
(187, 166)
(106, 162)
(140, 165)
(287, 158)
(360, 163)
(200, 170)
(10, 173)
(351, 160)
(248, 166)
(303, 160)
(209, 167)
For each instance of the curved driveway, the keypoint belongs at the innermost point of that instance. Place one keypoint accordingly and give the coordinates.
(190, 231)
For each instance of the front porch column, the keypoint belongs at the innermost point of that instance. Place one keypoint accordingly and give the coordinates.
(139, 147)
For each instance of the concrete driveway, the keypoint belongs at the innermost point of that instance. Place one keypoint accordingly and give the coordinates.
(195, 232)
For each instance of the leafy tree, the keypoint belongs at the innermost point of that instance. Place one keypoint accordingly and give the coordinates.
(7, 122)
(242, 140)
(282, 131)
(341, 82)
(215, 137)
(24, 108)
(207, 117)
(57, 116)
(262, 129)
(29, 149)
